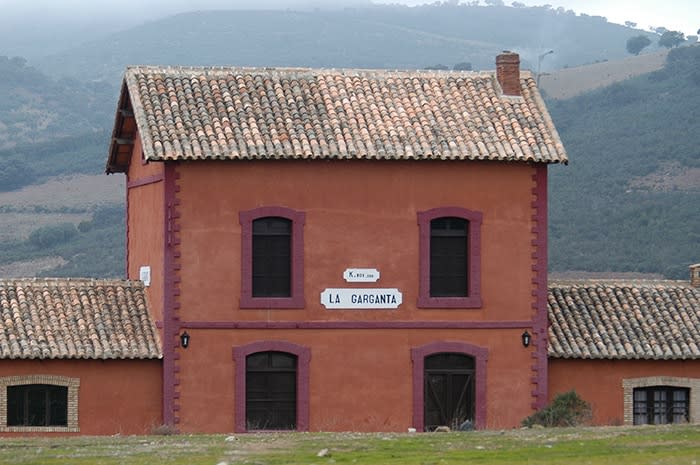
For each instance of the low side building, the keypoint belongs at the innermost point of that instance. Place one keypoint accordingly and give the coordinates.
(78, 356)
(632, 349)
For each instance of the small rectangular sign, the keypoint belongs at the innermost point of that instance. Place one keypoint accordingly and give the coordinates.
(361, 298)
(361, 275)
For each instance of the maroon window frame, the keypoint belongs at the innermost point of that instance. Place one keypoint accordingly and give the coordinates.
(296, 299)
(473, 298)
(303, 355)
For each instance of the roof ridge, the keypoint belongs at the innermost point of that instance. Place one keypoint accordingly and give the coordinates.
(317, 71)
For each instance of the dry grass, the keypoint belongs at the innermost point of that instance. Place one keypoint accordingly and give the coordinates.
(570, 82)
(60, 200)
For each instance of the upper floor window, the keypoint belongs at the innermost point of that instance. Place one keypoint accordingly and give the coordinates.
(658, 405)
(272, 258)
(450, 258)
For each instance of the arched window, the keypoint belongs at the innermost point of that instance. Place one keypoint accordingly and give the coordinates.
(272, 258)
(450, 258)
(271, 387)
(271, 381)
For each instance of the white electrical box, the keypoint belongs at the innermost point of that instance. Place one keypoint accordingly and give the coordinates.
(145, 275)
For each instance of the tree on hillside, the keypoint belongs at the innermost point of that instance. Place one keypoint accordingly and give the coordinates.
(631, 24)
(670, 39)
(637, 43)
(462, 66)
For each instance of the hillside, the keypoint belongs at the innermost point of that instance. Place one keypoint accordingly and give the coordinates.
(389, 36)
(37, 108)
(566, 83)
(626, 203)
(629, 199)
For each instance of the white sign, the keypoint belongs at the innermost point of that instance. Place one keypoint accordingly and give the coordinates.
(361, 275)
(361, 298)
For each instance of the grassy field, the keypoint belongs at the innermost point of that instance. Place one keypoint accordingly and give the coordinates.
(609, 445)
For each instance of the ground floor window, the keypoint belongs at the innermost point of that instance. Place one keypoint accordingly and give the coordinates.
(661, 400)
(658, 405)
(271, 387)
(39, 403)
(271, 394)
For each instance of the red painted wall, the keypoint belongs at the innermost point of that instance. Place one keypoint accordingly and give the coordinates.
(145, 225)
(358, 214)
(600, 381)
(360, 380)
(115, 396)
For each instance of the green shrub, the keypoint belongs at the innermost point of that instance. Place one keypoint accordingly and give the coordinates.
(49, 236)
(567, 409)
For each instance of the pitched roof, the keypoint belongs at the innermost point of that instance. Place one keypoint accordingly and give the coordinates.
(300, 113)
(75, 318)
(624, 320)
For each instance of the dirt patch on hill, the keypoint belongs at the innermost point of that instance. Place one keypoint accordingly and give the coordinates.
(68, 199)
(670, 177)
(570, 82)
(30, 267)
(18, 226)
(77, 191)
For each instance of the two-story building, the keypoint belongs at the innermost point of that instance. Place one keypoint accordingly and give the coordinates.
(341, 249)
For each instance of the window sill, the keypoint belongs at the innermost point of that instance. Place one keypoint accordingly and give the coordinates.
(449, 302)
(39, 429)
(272, 302)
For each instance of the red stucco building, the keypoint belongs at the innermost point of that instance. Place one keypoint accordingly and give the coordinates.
(253, 194)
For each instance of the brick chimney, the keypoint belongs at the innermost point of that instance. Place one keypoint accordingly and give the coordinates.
(508, 72)
(695, 275)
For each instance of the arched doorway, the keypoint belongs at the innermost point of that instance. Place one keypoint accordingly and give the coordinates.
(449, 392)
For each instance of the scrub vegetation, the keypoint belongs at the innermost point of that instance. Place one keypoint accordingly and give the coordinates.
(570, 446)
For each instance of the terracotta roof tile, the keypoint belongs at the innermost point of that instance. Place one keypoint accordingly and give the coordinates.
(75, 318)
(624, 320)
(268, 113)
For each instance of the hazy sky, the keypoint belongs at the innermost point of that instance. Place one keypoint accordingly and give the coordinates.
(682, 15)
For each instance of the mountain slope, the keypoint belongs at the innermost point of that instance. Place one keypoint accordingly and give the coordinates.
(36, 108)
(376, 37)
(629, 199)
(627, 202)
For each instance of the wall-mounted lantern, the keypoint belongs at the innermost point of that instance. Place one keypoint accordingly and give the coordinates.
(184, 340)
(526, 339)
